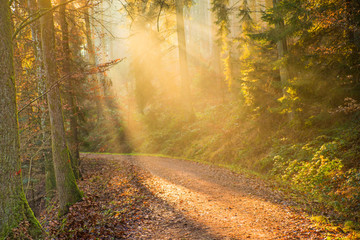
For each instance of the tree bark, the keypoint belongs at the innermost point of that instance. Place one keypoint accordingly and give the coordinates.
(353, 35)
(282, 49)
(216, 56)
(14, 207)
(67, 65)
(184, 71)
(66, 186)
(50, 182)
(282, 52)
(92, 61)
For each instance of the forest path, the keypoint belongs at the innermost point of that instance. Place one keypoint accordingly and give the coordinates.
(198, 201)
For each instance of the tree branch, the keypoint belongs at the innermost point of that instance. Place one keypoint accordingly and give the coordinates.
(158, 17)
(93, 70)
(126, 10)
(35, 17)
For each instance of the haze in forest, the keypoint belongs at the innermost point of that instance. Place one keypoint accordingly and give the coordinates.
(269, 88)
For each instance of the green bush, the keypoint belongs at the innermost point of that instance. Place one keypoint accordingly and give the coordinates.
(317, 170)
(318, 163)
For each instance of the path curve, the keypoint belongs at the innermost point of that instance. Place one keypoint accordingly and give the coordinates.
(231, 206)
(228, 205)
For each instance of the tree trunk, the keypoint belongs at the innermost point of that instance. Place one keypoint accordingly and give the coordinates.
(14, 207)
(282, 52)
(67, 65)
(353, 35)
(184, 71)
(50, 182)
(66, 186)
(216, 56)
(92, 61)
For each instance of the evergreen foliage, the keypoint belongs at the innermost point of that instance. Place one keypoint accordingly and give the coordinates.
(266, 86)
(266, 124)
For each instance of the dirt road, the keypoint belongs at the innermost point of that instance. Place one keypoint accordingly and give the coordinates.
(197, 201)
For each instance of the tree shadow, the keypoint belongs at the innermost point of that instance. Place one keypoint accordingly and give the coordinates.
(165, 221)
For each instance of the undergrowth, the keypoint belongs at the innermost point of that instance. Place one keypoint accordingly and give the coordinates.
(315, 158)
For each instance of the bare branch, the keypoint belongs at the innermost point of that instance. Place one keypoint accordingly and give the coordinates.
(93, 70)
(126, 10)
(35, 17)
(158, 17)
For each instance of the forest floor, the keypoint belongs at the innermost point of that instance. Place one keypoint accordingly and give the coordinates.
(139, 197)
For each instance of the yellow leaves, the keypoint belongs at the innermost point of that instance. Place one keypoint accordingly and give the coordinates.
(27, 62)
(290, 101)
(245, 90)
(245, 52)
(225, 55)
(282, 99)
(291, 92)
(227, 71)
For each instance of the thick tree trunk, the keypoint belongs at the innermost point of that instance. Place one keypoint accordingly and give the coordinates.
(67, 65)
(184, 71)
(14, 207)
(66, 186)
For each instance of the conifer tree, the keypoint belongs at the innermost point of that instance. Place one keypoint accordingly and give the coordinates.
(221, 11)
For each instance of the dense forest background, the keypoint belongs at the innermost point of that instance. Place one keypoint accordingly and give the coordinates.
(269, 87)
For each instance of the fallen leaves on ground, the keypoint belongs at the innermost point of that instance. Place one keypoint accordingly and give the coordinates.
(124, 201)
(111, 205)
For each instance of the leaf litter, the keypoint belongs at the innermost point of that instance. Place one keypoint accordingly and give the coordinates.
(158, 198)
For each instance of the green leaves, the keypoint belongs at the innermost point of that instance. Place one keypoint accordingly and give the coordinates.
(317, 169)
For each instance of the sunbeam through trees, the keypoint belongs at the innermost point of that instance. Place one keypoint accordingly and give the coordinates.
(266, 88)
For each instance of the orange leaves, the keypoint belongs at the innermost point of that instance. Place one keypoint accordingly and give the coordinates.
(18, 172)
(101, 68)
(112, 204)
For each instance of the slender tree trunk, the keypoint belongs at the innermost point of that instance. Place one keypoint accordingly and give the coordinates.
(184, 70)
(353, 35)
(282, 52)
(14, 207)
(50, 182)
(103, 51)
(67, 65)
(92, 61)
(67, 189)
(216, 56)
